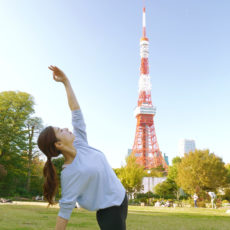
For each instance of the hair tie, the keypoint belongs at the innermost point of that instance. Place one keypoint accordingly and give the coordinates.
(49, 159)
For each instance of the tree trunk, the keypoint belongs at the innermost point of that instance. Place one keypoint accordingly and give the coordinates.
(30, 156)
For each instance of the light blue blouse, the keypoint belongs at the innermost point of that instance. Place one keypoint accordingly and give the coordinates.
(89, 179)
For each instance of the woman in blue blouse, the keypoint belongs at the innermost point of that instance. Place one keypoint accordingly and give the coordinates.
(86, 178)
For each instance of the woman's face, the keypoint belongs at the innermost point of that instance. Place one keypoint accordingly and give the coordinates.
(64, 135)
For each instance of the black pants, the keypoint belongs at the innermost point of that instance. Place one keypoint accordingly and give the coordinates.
(113, 218)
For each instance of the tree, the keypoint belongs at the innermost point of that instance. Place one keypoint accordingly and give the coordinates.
(201, 169)
(165, 189)
(131, 175)
(16, 141)
(173, 170)
(169, 188)
(172, 176)
(227, 166)
(15, 109)
(156, 172)
(3, 172)
(37, 179)
(33, 126)
(58, 162)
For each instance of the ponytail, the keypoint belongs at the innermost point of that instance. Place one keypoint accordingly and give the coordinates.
(50, 186)
(46, 142)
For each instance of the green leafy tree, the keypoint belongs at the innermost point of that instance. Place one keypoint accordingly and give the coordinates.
(165, 189)
(36, 183)
(15, 109)
(58, 163)
(173, 170)
(169, 188)
(156, 172)
(201, 169)
(227, 166)
(16, 145)
(226, 195)
(131, 175)
(33, 127)
(3, 172)
(172, 176)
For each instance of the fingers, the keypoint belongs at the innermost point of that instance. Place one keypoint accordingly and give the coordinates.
(53, 68)
(58, 75)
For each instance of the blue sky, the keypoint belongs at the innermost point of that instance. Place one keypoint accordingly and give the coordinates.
(96, 43)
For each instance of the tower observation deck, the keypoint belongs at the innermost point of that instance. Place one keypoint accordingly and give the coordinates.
(145, 147)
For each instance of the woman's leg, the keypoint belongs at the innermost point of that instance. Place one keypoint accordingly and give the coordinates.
(113, 218)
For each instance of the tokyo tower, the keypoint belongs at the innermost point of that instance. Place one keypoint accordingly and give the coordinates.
(145, 147)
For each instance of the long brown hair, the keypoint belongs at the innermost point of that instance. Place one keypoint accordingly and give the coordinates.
(45, 143)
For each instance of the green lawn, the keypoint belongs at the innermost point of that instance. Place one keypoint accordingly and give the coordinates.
(25, 217)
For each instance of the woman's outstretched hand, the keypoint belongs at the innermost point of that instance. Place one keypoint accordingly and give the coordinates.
(58, 75)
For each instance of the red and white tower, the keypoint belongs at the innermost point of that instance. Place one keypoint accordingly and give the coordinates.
(145, 146)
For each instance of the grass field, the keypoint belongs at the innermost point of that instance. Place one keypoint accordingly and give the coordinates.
(25, 217)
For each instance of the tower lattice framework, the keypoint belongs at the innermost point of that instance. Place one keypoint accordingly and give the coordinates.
(145, 147)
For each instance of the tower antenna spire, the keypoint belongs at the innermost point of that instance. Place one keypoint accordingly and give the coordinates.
(144, 23)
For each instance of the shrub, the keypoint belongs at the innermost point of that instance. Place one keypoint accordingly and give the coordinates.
(218, 203)
(153, 201)
(226, 196)
(144, 200)
(201, 204)
(225, 202)
(134, 202)
(146, 195)
(184, 197)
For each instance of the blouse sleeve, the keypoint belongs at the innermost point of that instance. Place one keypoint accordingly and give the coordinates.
(79, 127)
(71, 189)
(73, 185)
(66, 208)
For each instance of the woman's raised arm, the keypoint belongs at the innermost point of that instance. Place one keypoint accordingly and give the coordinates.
(59, 76)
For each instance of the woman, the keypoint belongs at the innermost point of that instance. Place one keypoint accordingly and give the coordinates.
(86, 177)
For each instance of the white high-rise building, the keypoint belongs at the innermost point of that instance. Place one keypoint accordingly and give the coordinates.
(186, 146)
